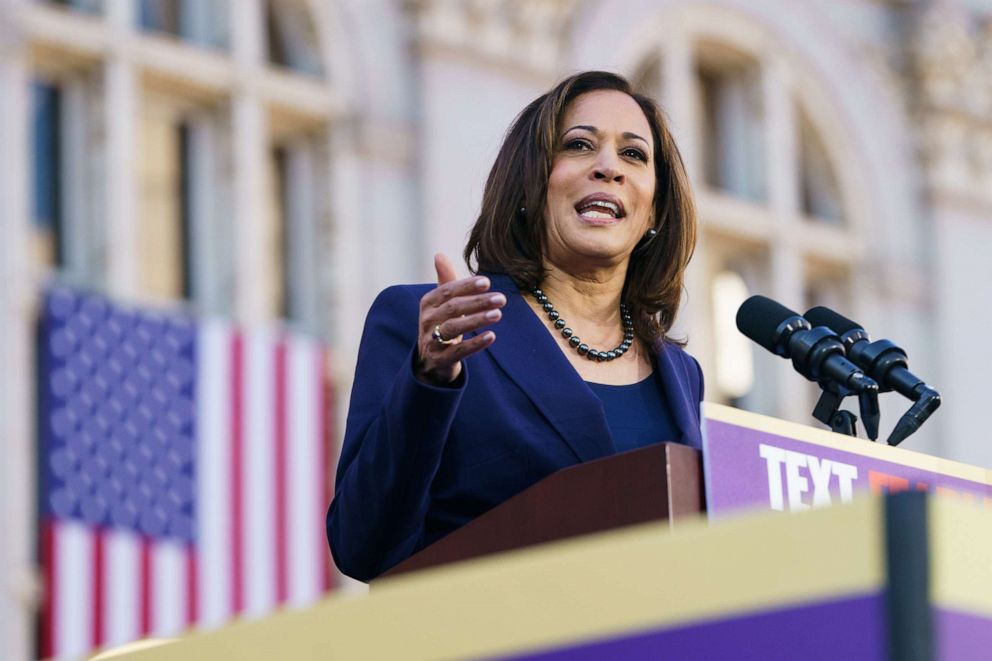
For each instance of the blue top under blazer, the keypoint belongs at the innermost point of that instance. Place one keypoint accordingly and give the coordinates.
(419, 461)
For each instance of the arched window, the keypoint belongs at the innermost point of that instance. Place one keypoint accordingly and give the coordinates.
(733, 122)
(291, 37)
(46, 180)
(63, 177)
(165, 195)
(774, 218)
(819, 191)
(200, 22)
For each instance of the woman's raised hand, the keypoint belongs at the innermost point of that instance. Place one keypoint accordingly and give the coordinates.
(447, 312)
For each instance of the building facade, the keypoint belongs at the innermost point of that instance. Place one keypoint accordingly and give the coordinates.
(287, 159)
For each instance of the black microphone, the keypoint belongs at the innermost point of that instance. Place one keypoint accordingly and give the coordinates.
(887, 364)
(816, 353)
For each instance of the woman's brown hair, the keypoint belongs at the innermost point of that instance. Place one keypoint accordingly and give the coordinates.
(508, 236)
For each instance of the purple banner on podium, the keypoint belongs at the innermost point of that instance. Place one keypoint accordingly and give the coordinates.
(851, 628)
(759, 463)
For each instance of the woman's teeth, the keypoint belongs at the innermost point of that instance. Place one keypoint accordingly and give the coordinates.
(599, 209)
(592, 214)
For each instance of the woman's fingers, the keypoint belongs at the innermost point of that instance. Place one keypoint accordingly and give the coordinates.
(456, 326)
(453, 289)
(463, 314)
(464, 305)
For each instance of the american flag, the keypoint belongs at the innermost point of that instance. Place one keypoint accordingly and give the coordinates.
(184, 472)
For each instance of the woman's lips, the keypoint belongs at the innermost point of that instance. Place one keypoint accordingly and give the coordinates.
(597, 218)
(600, 206)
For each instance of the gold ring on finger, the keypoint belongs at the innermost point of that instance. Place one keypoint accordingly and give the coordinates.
(440, 338)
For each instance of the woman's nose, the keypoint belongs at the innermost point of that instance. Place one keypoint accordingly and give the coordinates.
(607, 169)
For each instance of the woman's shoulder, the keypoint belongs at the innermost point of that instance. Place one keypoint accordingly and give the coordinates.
(690, 368)
(677, 352)
(395, 310)
(393, 292)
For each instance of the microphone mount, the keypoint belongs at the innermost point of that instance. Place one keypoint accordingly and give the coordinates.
(828, 411)
(889, 365)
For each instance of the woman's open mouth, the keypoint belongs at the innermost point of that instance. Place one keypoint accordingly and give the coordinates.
(599, 207)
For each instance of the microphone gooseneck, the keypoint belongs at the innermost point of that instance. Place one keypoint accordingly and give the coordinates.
(887, 364)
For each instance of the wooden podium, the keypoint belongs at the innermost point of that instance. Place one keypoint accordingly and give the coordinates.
(659, 482)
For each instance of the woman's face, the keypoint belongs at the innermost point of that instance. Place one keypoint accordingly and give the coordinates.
(601, 188)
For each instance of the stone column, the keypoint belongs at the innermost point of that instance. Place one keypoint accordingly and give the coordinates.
(121, 136)
(253, 262)
(680, 100)
(787, 275)
(680, 103)
(19, 589)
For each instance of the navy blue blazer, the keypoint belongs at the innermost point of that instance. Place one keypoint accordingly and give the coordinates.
(419, 461)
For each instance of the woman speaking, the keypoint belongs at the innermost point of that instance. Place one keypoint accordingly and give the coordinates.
(555, 352)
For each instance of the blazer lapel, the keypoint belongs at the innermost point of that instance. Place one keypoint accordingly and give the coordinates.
(525, 349)
(681, 401)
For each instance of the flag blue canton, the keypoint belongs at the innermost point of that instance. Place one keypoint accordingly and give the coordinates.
(118, 415)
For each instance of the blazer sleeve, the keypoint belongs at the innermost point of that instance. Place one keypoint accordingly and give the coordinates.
(394, 438)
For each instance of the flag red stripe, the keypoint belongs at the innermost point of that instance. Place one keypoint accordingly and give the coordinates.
(192, 581)
(48, 622)
(146, 587)
(325, 483)
(99, 543)
(281, 496)
(237, 451)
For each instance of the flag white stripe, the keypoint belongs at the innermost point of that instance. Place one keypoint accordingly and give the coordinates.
(258, 476)
(213, 474)
(305, 522)
(168, 588)
(122, 560)
(74, 572)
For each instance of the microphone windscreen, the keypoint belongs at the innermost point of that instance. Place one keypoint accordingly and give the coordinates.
(838, 323)
(759, 317)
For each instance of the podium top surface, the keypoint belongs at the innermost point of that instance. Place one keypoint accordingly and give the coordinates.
(641, 579)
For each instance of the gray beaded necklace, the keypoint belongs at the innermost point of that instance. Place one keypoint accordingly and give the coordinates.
(573, 339)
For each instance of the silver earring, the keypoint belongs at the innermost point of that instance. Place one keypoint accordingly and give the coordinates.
(522, 211)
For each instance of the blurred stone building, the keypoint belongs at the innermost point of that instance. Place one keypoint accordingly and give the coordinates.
(286, 159)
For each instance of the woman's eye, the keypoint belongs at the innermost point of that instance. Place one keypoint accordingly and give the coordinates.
(578, 144)
(631, 152)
